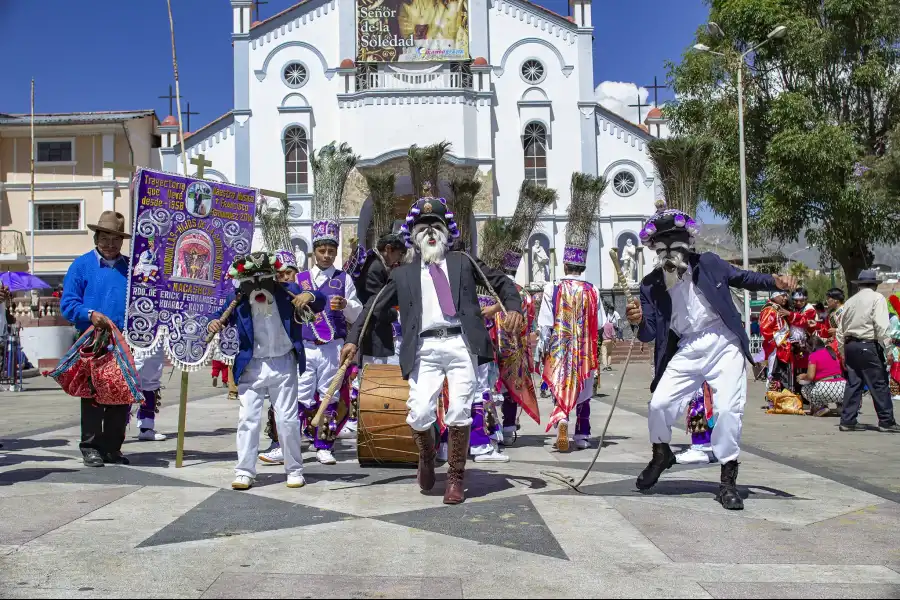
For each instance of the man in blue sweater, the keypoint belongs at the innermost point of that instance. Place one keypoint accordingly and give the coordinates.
(94, 294)
(687, 310)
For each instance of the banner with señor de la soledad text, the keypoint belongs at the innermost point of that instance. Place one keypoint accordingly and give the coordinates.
(412, 30)
(186, 234)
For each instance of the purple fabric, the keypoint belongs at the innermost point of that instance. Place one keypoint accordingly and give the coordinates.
(510, 410)
(511, 261)
(147, 408)
(335, 286)
(326, 231)
(442, 289)
(583, 418)
(307, 416)
(479, 433)
(575, 256)
(287, 258)
(698, 408)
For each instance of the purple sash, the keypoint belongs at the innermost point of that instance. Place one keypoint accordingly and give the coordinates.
(321, 327)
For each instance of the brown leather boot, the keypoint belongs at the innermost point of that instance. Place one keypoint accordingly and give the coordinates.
(456, 465)
(425, 443)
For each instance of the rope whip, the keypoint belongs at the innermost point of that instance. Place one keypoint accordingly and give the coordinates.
(570, 481)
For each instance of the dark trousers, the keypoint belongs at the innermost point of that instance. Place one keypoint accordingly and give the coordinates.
(103, 427)
(865, 365)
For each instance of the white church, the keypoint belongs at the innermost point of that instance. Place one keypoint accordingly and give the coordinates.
(508, 83)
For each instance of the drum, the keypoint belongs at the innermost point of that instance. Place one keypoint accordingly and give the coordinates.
(383, 437)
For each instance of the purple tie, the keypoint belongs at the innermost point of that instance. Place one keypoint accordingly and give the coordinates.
(442, 288)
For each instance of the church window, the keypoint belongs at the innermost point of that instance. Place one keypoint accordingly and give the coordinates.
(296, 161)
(295, 74)
(533, 71)
(624, 183)
(535, 143)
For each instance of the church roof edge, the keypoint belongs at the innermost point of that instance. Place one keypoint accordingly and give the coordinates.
(257, 26)
(558, 18)
(195, 137)
(632, 127)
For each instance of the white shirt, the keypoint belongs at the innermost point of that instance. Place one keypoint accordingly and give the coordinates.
(546, 318)
(866, 317)
(354, 306)
(270, 340)
(432, 315)
(691, 312)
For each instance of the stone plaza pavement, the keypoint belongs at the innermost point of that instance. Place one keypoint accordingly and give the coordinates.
(821, 518)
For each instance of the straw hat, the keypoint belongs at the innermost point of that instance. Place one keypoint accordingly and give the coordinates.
(111, 221)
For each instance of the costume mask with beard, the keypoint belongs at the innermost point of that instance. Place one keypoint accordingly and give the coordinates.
(259, 290)
(431, 241)
(672, 257)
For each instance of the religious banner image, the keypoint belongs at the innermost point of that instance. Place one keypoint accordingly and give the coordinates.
(186, 234)
(412, 30)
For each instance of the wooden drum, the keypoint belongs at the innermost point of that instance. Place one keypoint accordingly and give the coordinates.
(383, 437)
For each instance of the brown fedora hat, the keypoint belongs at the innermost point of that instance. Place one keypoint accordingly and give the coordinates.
(111, 221)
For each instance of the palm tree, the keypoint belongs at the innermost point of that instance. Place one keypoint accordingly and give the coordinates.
(681, 164)
(424, 166)
(381, 188)
(584, 208)
(331, 166)
(463, 192)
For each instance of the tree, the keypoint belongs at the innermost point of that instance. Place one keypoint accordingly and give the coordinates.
(819, 105)
(681, 164)
(798, 270)
(463, 193)
(381, 188)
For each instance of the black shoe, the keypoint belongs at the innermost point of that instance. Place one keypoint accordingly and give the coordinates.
(728, 495)
(92, 457)
(663, 459)
(892, 428)
(853, 427)
(116, 459)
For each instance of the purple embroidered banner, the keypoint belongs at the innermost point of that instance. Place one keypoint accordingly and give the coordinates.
(186, 234)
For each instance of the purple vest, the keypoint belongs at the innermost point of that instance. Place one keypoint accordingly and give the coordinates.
(329, 324)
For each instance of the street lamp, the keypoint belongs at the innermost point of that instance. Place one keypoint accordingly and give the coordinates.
(716, 31)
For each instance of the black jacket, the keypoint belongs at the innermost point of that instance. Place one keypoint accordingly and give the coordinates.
(404, 288)
(379, 338)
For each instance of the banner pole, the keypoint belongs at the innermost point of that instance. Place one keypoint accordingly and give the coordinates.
(182, 417)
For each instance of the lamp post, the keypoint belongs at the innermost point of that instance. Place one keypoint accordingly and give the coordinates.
(715, 30)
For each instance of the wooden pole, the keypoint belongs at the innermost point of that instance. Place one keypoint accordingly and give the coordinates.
(33, 216)
(182, 405)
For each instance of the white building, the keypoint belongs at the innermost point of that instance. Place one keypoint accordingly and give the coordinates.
(516, 100)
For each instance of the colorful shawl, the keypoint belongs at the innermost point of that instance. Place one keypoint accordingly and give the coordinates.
(571, 354)
(514, 360)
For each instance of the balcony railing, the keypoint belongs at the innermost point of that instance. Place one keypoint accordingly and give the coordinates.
(386, 80)
(12, 242)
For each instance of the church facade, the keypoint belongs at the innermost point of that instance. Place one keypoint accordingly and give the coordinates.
(508, 83)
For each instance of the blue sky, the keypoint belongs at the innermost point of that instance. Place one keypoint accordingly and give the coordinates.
(91, 55)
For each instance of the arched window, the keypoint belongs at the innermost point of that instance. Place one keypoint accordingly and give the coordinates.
(296, 161)
(535, 142)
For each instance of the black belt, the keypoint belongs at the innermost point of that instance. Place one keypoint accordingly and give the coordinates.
(441, 332)
(851, 338)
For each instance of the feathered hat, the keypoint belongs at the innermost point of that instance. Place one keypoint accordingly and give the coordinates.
(331, 166)
(272, 216)
(503, 242)
(669, 225)
(584, 208)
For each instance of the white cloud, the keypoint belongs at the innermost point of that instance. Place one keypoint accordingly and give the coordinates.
(617, 95)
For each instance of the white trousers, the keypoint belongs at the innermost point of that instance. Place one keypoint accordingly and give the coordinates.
(436, 359)
(149, 371)
(322, 364)
(713, 356)
(278, 378)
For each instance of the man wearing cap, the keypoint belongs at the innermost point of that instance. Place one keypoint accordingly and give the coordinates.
(443, 334)
(862, 335)
(94, 294)
(324, 338)
(687, 309)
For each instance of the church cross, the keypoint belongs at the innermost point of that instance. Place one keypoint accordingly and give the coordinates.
(171, 98)
(201, 163)
(188, 112)
(639, 106)
(656, 87)
(256, 4)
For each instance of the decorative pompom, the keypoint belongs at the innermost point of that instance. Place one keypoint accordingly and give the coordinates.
(241, 268)
(680, 221)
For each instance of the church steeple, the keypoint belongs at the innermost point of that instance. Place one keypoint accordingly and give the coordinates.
(581, 12)
(241, 10)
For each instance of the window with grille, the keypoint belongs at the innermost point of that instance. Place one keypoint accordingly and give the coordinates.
(462, 75)
(295, 74)
(624, 183)
(533, 71)
(535, 143)
(57, 217)
(296, 161)
(366, 76)
(56, 151)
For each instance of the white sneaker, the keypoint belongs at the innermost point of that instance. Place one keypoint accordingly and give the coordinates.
(349, 431)
(325, 457)
(242, 482)
(582, 444)
(151, 436)
(692, 456)
(442, 453)
(295, 481)
(493, 456)
(275, 456)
